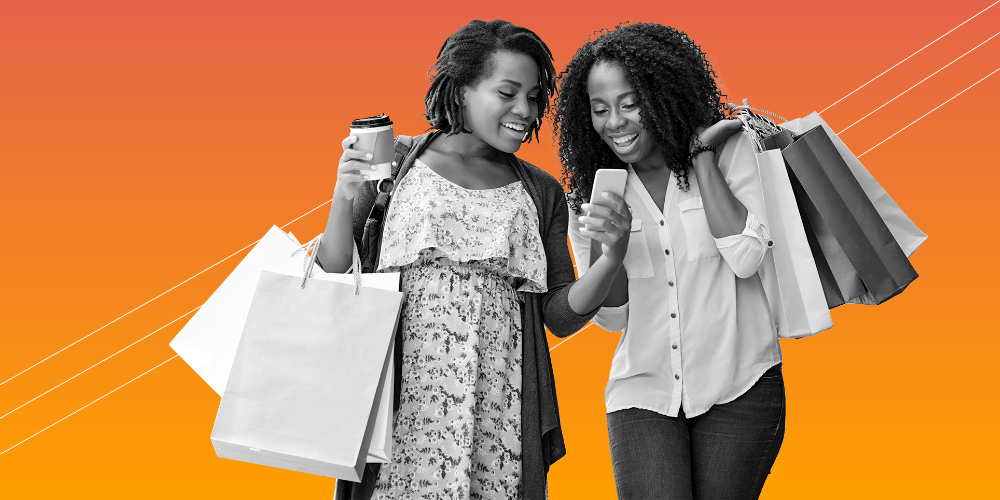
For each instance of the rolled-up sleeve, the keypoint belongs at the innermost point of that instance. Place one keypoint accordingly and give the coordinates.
(744, 252)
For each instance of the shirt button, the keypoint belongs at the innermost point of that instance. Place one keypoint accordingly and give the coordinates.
(677, 377)
(667, 252)
(673, 346)
(770, 243)
(673, 315)
(661, 222)
(671, 283)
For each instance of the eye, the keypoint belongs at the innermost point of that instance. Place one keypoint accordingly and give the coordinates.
(506, 95)
(533, 98)
(599, 111)
(630, 105)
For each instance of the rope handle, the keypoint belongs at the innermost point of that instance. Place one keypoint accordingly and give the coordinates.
(312, 251)
(740, 107)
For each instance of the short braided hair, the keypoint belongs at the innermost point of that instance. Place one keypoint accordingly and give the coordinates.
(466, 59)
(677, 93)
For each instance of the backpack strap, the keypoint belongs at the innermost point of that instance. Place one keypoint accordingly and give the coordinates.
(372, 238)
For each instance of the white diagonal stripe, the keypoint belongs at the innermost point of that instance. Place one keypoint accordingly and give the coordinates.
(154, 298)
(929, 112)
(918, 83)
(99, 362)
(911, 55)
(88, 404)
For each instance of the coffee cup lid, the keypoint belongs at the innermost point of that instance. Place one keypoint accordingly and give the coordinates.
(372, 122)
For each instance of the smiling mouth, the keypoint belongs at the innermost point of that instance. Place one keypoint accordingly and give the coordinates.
(625, 140)
(516, 127)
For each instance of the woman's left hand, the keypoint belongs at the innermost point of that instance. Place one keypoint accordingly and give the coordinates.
(719, 131)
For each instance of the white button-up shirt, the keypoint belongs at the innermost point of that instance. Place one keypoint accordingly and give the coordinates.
(697, 327)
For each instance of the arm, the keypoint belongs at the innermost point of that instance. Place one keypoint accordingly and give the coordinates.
(611, 228)
(613, 315)
(335, 252)
(733, 199)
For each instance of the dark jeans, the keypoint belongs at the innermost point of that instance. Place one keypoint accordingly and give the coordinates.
(725, 453)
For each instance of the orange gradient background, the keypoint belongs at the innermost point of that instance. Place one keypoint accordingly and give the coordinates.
(141, 142)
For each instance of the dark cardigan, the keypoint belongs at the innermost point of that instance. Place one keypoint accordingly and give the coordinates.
(541, 437)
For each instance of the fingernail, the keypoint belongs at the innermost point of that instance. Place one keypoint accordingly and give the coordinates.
(368, 177)
(585, 206)
(373, 167)
(368, 155)
(605, 195)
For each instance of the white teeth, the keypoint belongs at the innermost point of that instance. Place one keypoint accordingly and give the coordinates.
(514, 126)
(625, 139)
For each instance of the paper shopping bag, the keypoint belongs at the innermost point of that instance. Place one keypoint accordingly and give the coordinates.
(207, 343)
(906, 233)
(307, 377)
(854, 239)
(788, 273)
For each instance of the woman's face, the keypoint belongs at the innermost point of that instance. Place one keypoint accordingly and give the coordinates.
(499, 109)
(614, 112)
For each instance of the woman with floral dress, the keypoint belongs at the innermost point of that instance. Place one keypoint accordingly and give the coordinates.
(480, 239)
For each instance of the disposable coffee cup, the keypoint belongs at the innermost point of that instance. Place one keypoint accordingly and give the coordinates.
(375, 136)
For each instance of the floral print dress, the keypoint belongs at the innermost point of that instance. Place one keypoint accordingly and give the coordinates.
(465, 257)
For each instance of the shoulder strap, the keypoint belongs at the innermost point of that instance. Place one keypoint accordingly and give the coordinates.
(373, 226)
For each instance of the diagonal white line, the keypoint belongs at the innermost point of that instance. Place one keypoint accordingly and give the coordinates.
(571, 336)
(101, 361)
(154, 298)
(929, 112)
(918, 83)
(911, 55)
(88, 404)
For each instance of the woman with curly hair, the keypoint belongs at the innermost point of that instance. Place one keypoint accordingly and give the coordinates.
(695, 398)
(479, 237)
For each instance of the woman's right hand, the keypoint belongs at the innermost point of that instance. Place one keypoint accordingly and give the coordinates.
(352, 171)
(610, 227)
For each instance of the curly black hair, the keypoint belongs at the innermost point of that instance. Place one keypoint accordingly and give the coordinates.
(677, 93)
(466, 59)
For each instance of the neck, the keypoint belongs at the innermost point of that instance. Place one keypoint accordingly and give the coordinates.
(468, 146)
(652, 162)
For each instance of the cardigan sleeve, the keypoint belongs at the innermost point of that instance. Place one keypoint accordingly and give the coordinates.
(559, 317)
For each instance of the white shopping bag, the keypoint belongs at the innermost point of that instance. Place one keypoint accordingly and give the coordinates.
(788, 273)
(308, 376)
(208, 342)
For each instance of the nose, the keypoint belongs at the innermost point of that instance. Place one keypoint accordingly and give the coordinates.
(615, 119)
(522, 108)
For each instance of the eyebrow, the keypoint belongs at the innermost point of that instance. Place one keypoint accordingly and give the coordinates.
(618, 97)
(518, 84)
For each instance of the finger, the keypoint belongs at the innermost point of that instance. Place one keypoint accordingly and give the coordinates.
(620, 205)
(349, 141)
(354, 154)
(356, 166)
(359, 178)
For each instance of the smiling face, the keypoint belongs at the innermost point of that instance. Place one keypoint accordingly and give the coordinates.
(499, 109)
(614, 112)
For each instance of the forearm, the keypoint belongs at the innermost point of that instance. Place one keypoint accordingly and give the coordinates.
(335, 252)
(725, 213)
(591, 290)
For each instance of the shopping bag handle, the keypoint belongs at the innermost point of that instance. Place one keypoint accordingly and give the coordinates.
(312, 250)
(740, 107)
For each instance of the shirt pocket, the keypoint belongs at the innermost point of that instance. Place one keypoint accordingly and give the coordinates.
(700, 242)
(638, 263)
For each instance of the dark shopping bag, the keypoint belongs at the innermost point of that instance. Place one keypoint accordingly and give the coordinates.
(855, 252)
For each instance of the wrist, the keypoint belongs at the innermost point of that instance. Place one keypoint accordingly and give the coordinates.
(699, 149)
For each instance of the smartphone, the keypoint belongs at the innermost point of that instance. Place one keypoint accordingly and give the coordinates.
(610, 180)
